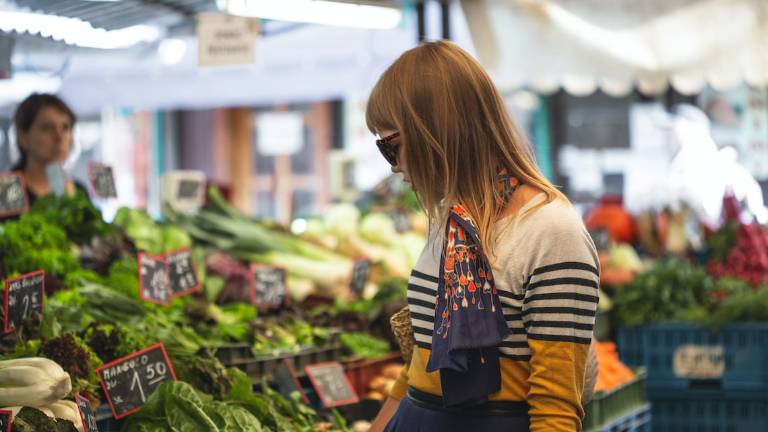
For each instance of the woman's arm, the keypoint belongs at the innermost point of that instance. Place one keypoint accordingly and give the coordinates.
(385, 414)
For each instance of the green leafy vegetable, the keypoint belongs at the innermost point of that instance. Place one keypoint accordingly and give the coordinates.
(364, 345)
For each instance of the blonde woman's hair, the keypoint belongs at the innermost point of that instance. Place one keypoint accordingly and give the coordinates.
(456, 134)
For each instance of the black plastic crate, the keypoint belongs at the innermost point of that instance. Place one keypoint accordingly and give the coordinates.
(709, 411)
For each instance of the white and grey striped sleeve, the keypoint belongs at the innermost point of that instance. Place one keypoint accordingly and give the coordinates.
(561, 291)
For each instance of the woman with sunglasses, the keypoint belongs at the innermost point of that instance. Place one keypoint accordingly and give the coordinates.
(502, 300)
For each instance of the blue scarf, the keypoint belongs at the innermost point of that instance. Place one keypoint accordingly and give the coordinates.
(469, 321)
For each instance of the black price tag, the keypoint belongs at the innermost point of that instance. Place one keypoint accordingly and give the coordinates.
(129, 381)
(5, 420)
(331, 384)
(188, 189)
(601, 237)
(270, 288)
(401, 220)
(183, 278)
(13, 196)
(360, 274)
(102, 180)
(23, 297)
(154, 283)
(287, 381)
(86, 414)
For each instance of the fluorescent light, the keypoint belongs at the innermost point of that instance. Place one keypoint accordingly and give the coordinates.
(316, 12)
(74, 31)
(172, 51)
(22, 84)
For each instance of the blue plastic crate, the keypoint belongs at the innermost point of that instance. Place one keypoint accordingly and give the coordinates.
(744, 348)
(639, 420)
(709, 411)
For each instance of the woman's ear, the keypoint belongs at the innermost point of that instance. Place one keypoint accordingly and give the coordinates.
(21, 140)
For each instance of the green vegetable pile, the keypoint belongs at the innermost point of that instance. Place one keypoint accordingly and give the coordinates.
(364, 345)
(33, 420)
(674, 289)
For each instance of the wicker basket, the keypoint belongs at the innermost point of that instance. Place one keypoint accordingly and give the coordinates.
(401, 327)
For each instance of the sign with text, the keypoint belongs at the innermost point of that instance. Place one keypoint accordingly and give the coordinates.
(6, 417)
(129, 381)
(699, 361)
(226, 40)
(270, 289)
(287, 381)
(13, 195)
(154, 282)
(102, 180)
(360, 274)
(23, 297)
(331, 384)
(86, 414)
(181, 270)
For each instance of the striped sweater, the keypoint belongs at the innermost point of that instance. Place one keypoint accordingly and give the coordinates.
(547, 273)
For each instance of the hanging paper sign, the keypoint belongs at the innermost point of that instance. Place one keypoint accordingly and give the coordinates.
(6, 419)
(183, 279)
(129, 381)
(154, 283)
(13, 197)
(102, 180)
(360, 274)
(331, 384)
(86, 414)
(23, 297)
(270, 288)
(287, 381)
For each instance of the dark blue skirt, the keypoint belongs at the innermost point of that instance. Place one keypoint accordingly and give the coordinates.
(412, 418)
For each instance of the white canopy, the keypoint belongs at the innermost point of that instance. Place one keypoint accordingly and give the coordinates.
(583, 45)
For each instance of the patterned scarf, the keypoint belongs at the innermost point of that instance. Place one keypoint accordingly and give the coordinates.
(469, 322)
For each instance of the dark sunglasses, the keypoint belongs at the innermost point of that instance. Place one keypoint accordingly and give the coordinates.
(388, 148)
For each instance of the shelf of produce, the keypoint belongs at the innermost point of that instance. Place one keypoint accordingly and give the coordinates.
(638, 420)
(604, 407)
(361, 372)
(259, 367)
(736, 356)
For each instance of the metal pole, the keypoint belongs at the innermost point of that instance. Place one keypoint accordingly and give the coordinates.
(421, 20)
(445, 10)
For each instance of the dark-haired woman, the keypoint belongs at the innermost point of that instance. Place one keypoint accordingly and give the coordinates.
(44, 126)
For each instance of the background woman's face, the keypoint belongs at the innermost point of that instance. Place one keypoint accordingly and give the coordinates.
(49, 139)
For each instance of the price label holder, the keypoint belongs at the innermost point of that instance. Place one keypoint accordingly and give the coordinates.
(86, 414)
(331, 384)
(181, 270)
(270, 288)
(6, 421)
(13, 194)
(102, 180)
(154, 283)
(287, 380)
(129, 381)
(360, 274)
(602, 238)
(23, 297)
(184, 190)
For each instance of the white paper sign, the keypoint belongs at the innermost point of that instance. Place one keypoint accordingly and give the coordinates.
(226, 40)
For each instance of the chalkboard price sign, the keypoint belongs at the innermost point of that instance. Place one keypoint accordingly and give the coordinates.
(601, 237)
(102, 180)
(183, 278)
(13, 196)
(129, 381)
(5, 420)
(188, 189)
(86, 414)
(287, 381)
(23, 297)
(360, 274)
(154, 283)
(331, 384)
(270, 290)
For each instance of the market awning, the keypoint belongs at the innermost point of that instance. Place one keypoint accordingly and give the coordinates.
(583, 45)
